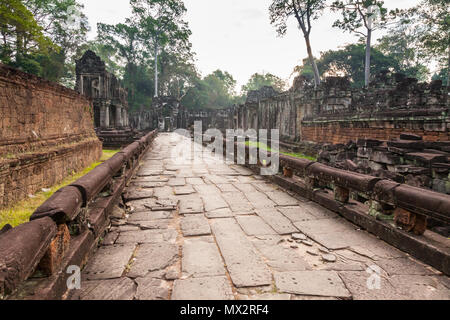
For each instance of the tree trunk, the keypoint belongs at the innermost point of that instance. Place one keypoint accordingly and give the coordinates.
(367, 65)
(156, 68)
(313, 62)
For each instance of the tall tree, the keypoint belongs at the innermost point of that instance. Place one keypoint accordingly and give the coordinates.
(162, 21)
(362, 17)
(257, 81)
(305, 11)
(22, 37)
(434, 38)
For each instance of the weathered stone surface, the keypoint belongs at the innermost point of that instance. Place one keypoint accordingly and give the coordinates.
(227, 187)
(214, 202)
(115, 289)
(315, 283)
(259, 200)
(211, 288)
(254, 225)
(296, 214)
(150, 216)
(266, 297)
(152, 257)
(137, 194)
(403, 266)
(220, 213)
(195, 181)
(277, 221)
(245, 266)
(185, 190)
(237, 202)
(147, 236)
(202, 259)
(177, 182)
(418, 287)
(151, 289)
(191, 204)
(195, 225)
(109, 262)
(245, 187)
(282, 198)
(331, 233)
(280, 258)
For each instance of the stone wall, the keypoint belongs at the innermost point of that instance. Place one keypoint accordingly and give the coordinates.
(46, 133)
(337, 113)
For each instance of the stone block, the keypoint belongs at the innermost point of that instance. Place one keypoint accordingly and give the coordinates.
(55, 254)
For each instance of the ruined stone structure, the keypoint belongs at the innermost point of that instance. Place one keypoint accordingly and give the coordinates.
(46, 133)
(109, 99)
(336, 113)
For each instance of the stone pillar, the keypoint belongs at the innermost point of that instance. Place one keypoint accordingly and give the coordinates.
(119, 117)
(104, 117)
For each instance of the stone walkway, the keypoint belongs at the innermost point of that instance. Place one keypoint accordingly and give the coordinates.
(209, 230)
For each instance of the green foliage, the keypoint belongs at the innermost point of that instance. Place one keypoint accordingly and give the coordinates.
(42, 37)
(257, 81)
(215, 91)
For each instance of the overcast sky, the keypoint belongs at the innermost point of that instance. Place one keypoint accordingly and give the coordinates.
(236, 35)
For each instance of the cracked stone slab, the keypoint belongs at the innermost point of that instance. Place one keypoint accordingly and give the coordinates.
(296, 214)
(280, 258)
(207, 190)
(153, 224)
(109, 262)
(220, 213)
(227, 187)
(254, 226)
(416, 287)
(177, 182)
(151, 289)
(195, 225)
(245, 265)
(259, 200)
(264, 187)
(191, 204)
(282, 198)
(184, 190)
(211, 288)
(277, 221)
(333, 234)
(403, 266)
(238, 202)
(147, 236)
(317, 210)
(164, 193)
(202, 259)
(214, 202)
(195, 181)
(314, 283)
(137, 194)
(150, 216)
(115, 289)
(245, 187)
(153, 257)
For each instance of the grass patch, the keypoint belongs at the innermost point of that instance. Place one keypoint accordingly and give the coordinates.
(21, 211)
(267, 148)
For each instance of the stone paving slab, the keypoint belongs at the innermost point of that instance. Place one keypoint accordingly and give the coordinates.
(109, 262)
(227, 187)
(115, 289)
(184, 190)
(151, 289)
(238, 202)
(150, 216)
(259, 200)
(152, 257)
(277, 221)
(314, 283)
(201, 258)
(282, 198)
(190, 204)
(211, 288)
(195, 225)
(280, 258)
(254, 226)
(296, 214)
(147, 236)
(220, 213)
(246, 267)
